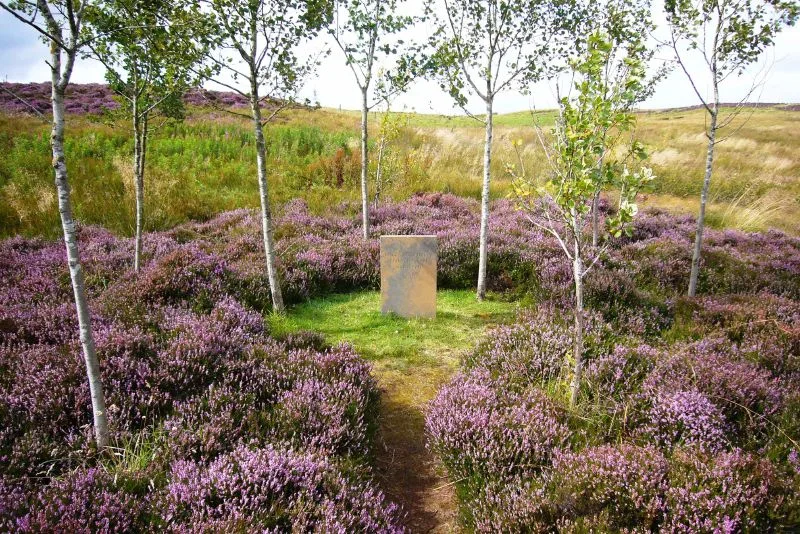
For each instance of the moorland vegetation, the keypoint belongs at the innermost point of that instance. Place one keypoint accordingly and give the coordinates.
(200, 377)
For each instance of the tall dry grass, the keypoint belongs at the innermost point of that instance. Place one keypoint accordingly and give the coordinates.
(207, 165)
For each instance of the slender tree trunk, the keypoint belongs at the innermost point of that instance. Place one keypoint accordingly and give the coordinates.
(577, 274)
(138, 182)
(596, 209)
(266, 215)
(487, 162)
(701, 217)
(595, 219)
(364, 163)
(143, 160)
(379, 170)
(73, 256)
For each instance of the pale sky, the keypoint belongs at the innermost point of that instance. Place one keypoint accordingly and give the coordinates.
(23, 55)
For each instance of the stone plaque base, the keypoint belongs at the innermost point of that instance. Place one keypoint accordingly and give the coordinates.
(408, 275)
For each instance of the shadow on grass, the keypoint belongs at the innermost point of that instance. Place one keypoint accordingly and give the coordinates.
(406, 469)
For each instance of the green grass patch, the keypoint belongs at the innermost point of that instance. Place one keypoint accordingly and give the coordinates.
(397, 342)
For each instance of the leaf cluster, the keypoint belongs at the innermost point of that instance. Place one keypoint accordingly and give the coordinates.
(257, 42)
(484, 47)
(584, 154)
(367, 32)
(731, 34)
(152, 51)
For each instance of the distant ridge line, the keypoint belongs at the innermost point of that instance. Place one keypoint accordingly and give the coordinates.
(94, 98)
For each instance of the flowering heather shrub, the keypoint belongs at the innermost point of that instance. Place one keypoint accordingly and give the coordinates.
(687, 418)
(660, 264)
(209, 424)
(324, 401)
(198, 347)
(533, 350)
(613, 293)
(726, 492)
(35, 322)
(657, 223)
(629, 287)
(131, 368)
(324, 415)
(324, 254)
(304, 339)
(45, 402)
(746, 393)
(183, 347)
(97, 98)
(516, 504)
(32, 270)
(188, 275)
(81, 98)
(619, 374)
(625, 482)
(272, 490)
(764, 328)
(694, 399)
(733, 262)
(45, 387)
(13, 502)
(180, 350)
(481, 430)
(343, 422)
(87, 500)
(204, 97)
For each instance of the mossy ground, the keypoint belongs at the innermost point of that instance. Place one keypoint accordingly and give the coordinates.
(413, 358)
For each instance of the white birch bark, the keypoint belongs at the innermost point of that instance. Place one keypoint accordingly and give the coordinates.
(379, 171)
(487, 161)
(701, 217)
(139, 150)
(263, 189)
(364, 163)
(577, 274)
(60, 80)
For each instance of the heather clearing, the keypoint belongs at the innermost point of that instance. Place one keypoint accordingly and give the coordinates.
(588, 319)
(408, 425)
(400, 430)
(195, 327)
(412, 359)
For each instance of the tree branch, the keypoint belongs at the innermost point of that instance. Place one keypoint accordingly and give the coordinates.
(32, 23)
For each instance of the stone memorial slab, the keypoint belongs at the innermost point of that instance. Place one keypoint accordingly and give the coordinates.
(408, 275)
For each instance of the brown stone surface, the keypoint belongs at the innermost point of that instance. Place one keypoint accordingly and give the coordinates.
(408, 275)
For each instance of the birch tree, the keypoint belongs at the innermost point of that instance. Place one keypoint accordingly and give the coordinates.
(726, 36)
(61, 25)
(366, 31)
(485, 47)
(389, 129)
(580, 167)
(264, 36)
(151, 50)
(628, 24)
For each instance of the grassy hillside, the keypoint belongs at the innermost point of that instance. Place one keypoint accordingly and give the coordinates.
(207, 165)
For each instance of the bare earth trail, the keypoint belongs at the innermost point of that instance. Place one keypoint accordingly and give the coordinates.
(412, 359)
(406, 469)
